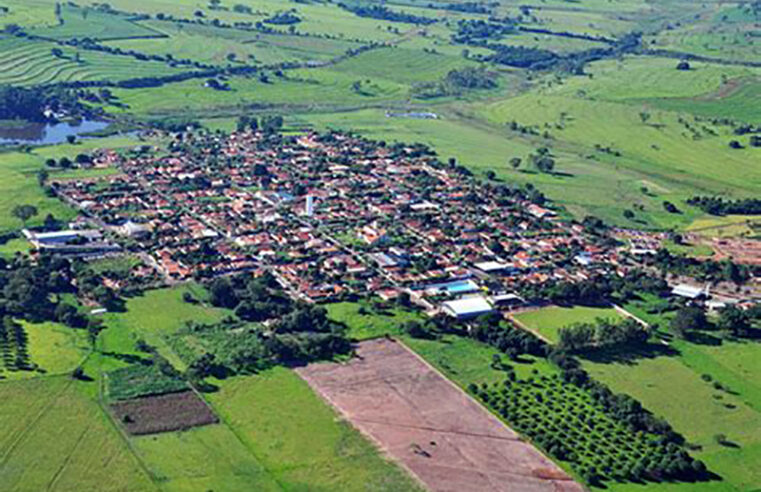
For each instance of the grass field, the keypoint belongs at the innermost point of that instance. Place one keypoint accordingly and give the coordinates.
(547, 322)
(675, 388)
(298, 438)
(30, 62)
(203, 458)
(55, 348)
(55, 438)
(211, 44)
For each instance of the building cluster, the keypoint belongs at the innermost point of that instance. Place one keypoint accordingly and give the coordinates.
(332, 215)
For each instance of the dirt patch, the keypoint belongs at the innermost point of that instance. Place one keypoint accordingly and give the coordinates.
(430, 426)
(742, 251)
(163, 413)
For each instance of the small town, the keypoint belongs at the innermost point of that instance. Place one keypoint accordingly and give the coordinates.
(331, 216)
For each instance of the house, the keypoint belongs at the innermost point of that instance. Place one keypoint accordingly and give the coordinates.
(467, 308)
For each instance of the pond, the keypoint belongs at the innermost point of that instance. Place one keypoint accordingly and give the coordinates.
(47, 133)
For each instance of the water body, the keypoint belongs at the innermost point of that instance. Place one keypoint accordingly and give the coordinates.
(47, 133)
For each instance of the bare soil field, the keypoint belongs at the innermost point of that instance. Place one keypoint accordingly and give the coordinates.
(429, 425)
(163, 413)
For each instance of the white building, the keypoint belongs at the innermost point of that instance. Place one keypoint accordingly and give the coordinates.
(467, 308)
(689, 291)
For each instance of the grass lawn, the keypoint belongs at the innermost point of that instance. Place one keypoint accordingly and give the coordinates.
(548, 321)
(17, 245)
(298, 438)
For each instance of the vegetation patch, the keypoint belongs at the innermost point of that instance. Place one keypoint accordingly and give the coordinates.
(139, 380)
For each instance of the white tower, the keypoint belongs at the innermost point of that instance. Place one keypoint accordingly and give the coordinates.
(309, 209)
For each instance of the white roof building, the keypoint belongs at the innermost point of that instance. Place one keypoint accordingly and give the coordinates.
(469, 307)
(492, 266)
(688, 291)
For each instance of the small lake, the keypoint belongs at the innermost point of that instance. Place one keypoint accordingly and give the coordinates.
(47, 133)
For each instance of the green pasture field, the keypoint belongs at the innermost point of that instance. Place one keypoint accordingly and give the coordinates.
(30, 13)
(210, 44)
(726, 32)
(203, 458)
(54, 437)
(81, 22)
(54, 348)
(547, 322)
(298, 438)
(662, 148)
(741, 103)
(674, 387)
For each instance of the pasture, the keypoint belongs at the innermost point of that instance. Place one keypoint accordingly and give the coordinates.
(547, 322)
(31, 62)
(154, 316)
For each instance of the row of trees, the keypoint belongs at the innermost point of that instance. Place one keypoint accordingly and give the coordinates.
(720, 206)
(602, 334)
(381, 12)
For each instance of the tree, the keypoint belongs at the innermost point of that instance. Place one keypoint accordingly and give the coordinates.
(734, 320)
(515, 162)
(24, 212)
(688, 319)
(628, 214)
(491, 175)
(734, 144)
(57, 52)
(683, 65)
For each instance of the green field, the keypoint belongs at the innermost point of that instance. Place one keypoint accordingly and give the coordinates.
(273, 412)
(153, 317)
(54, 437)
(672, 387)
(547, 322)
(27, 63)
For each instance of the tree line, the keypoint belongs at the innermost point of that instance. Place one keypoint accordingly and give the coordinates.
(719, 206)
